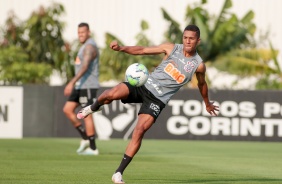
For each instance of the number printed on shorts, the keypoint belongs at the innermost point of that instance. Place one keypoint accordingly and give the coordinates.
(83, 100)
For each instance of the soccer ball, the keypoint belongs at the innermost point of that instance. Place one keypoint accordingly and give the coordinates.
(136, 74)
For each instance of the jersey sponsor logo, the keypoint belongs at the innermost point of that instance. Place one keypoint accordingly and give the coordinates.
(155, 86)
(190, 65)
(77, 61)
(155, 108)
(177, 58)
(174, 73)
(182, 61)
(174, 56)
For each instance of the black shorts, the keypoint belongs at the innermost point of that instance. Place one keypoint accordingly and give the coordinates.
(150, 104)
(84, 97)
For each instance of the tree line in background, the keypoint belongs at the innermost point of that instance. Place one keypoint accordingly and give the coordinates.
(31, 50)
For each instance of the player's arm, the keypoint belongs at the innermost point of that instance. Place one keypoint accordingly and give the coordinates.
(203, 88)
(140, 50)
(88, 55)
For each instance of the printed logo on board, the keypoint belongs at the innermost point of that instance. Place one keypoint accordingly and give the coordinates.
(3, 113)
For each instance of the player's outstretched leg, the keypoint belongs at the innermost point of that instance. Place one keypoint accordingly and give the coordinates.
(118, 92)
(83, 113)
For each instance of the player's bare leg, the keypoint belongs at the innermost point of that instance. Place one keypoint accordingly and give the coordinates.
(90, 132)
(69, 109)
(145, 121)
(118, 92)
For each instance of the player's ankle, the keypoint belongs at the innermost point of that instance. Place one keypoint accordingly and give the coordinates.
(95, 107)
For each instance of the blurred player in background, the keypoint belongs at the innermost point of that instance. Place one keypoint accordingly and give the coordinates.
(82, 89)
(180, 63)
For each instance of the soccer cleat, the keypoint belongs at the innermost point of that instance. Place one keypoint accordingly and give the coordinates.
(83, 113)
(89, 151)
(117, 178)
(83, 145)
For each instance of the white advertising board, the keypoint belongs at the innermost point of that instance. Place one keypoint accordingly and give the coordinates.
(11, 112)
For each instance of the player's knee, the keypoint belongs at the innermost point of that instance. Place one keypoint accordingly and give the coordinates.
(140, 130)
(66, 111)
(110, 94)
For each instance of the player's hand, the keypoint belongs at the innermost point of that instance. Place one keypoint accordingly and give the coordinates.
(68, 89)
(115, 46)
(212, 109)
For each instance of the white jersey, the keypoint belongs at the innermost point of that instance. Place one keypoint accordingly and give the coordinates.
(172, 74)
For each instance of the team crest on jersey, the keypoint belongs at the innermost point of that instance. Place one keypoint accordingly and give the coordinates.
(190, 65)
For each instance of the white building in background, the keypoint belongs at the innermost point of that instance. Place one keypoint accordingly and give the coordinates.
(122, 18)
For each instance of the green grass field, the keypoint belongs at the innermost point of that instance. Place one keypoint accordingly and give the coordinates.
(53, 160)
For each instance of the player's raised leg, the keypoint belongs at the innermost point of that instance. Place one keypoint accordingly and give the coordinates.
(118, 92)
